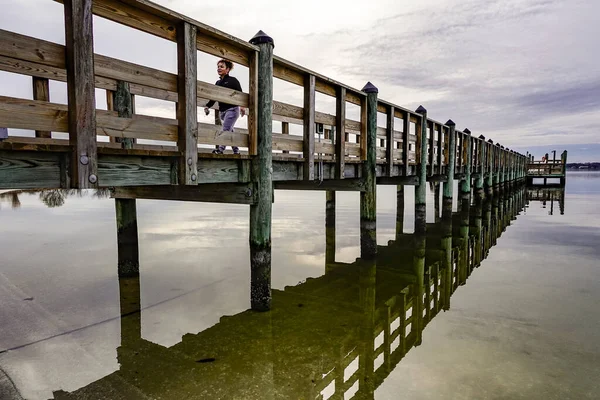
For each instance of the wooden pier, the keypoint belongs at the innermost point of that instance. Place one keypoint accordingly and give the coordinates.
(351, 155)
(547, 169)
(339, 335)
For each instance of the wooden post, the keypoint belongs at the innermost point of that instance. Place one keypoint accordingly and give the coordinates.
(479, 193)
(123, 104)
(285, 130)
(368, 201)
(187, 107)
(406, 144)
(127, 238)
(340, 132)
(466, 181)
(449, 184)
(41, 92)
(389, 145)
(81, 93)
(309, 128)
(399, 211)
(329, 228)
(262, 175)
(431, 152)
(440, 149)
(489, 183)
(421, 188)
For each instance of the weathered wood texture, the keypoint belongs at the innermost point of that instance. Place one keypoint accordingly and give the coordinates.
(127, 238)
(187, 107)
(79, 59)
(340, 132)
(41, 92)
(262, 176)
(308, 147)
(233, 193)
(368, 198)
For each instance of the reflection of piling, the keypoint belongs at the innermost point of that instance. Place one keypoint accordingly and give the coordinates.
(399, 211)
(127, 238)
(419, 271)
(329, 228)
(368, 202)
(262, 170)
(446, 244)
(367, 295)
(131, 317)
(476, 223)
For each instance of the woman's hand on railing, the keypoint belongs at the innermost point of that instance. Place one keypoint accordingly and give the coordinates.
(242, 111)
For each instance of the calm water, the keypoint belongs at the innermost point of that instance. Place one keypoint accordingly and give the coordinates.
(525, 324)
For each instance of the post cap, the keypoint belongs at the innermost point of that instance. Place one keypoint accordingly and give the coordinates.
(490, 141)
(467, 131)
(421, 110)
(262, 37)
(370, 88)
(450, 123)
(482, 137)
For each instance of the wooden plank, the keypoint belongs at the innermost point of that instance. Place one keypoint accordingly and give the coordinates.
(389, 148)
(29, 170)
(187, 107)
(253, 104)
(130, 170)
(80, 89)
(340, 133)
(230, 193)
(41, 92)
(309, 128)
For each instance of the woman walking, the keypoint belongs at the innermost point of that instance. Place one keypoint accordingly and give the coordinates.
(228, 113)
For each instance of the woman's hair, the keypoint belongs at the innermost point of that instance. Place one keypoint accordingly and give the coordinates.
(228, 64)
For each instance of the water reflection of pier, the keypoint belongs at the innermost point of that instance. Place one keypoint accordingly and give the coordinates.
(547, 195)
(337, 336)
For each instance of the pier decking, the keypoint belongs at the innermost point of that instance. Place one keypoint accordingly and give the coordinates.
(349, 155)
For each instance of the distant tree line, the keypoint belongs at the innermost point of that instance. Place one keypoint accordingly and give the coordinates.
(588, 165)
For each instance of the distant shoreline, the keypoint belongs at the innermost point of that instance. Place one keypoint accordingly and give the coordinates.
(585, 166)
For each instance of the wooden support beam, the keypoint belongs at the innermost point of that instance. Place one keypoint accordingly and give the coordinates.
(230, 193)
(285, 130)
(309, 128)
(451, 145)
(262, 176)
(348, 185)
(368, 201)
(81, 95)
(41, 92)
(389, 148)
(362, 138)
(127, 238)
(187, 107)
(412, 180)
(340, 133)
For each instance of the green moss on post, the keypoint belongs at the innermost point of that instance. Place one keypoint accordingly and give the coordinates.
(262, 174)
(127, 238)
(368, 200)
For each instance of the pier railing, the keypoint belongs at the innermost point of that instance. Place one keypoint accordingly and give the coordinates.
(84, 161)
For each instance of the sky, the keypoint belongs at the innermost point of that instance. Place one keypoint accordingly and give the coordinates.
(524, 73)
